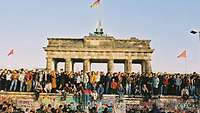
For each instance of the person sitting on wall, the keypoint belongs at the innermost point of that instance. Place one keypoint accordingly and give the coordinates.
(121, 91)
(48, 87)
(185, 94)
(100, 91)
(197, 94)
(146, 94)
(38, 89)
(53, 81)
(65, 91)
(94, 95)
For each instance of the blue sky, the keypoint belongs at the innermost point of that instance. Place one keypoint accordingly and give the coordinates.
(25, 26)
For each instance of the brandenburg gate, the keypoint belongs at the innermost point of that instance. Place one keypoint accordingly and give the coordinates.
(98, 48)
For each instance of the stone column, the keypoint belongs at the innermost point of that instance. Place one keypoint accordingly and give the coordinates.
(49, 64)
(110, 65)
(68, 65)
(143, 66)
(148, 66)
(86, 65)
(73, 66)
(128, 66)
(55, 63)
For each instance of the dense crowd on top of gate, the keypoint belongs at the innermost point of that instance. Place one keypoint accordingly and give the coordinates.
(103, 83)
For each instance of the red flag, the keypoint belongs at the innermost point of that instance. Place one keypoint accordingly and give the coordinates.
(95, 4)
(182, 55)
(11, 52)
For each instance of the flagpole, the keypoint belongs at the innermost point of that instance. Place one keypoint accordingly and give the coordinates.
(184, 56)
(99, 13)
(186, 62)
(186, 65)
(97, 5)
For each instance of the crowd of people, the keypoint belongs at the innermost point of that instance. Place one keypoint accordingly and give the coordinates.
(103, 83)
(90, 86)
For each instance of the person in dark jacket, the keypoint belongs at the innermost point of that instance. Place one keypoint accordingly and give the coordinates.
(38, 88)
(146, 94)
(121, 91)
(100, 91)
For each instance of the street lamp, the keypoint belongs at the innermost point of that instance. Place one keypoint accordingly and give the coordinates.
(195, 32)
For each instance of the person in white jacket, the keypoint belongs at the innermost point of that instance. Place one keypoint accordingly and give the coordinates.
(22, 80)
(185, 94)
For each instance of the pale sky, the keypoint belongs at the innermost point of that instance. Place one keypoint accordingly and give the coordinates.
(25, 26)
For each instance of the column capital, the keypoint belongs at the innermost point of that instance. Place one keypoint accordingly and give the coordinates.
(68, 59)
(86, 59)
